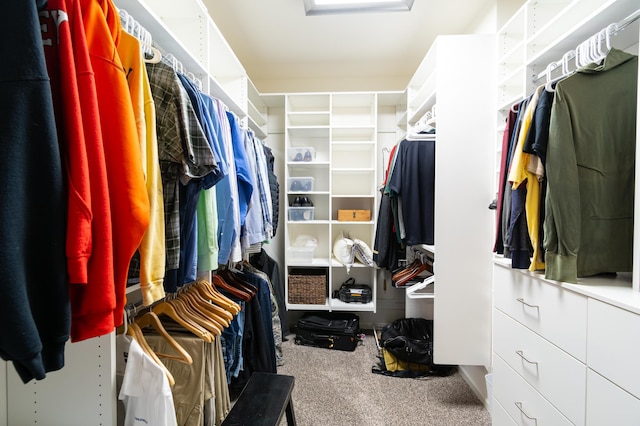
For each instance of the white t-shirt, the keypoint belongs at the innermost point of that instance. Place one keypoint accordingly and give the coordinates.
(145, 391)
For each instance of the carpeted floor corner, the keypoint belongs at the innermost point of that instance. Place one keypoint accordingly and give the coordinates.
(338, 388)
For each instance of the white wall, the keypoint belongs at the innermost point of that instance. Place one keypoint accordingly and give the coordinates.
(506, 9)
(487, 23)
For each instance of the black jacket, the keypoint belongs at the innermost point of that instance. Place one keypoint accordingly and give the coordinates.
(274, 186)
(34, 307)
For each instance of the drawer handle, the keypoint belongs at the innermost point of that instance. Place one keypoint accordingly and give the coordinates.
(519, 405)
(521, 300)
(521, 355)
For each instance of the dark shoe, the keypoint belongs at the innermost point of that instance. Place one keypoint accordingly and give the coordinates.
(296, 186)
(297, 202)
(298, 157)
(307, 156)
(306, 202)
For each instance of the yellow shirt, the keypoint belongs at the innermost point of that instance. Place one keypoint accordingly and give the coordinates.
(520, 172)
(152, 247)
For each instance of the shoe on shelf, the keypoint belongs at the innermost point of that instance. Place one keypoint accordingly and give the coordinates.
(307, 156)
(297, 202)
(306, 202)
(298, 157)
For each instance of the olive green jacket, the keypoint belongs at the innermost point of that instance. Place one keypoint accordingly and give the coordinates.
(588, 227)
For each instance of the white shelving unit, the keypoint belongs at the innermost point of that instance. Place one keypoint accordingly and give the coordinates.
(541, 372)
(341, 128)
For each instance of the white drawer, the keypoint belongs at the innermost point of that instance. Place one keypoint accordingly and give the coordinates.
(613, 348)
(523, 403)
(558, 315)
(559, 377)
(607, 404)
(499, 416)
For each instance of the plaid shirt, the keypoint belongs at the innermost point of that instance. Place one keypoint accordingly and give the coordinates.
(183, 149)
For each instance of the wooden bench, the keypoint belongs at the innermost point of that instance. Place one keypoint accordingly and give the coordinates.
(263, 401)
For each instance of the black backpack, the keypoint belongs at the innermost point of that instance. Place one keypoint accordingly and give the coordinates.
(409, 339)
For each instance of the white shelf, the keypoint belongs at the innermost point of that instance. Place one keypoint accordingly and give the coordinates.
(178, 31)
(309, 131)
(352, 223)
(307, 164)
(308, 307)
(338, 305)
(352, 170)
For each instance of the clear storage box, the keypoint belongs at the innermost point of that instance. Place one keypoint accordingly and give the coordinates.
(302, 154)
(301, 184)
(300, 213)
(300, 255)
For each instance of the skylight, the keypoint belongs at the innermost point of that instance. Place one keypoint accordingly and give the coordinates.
(329, 7)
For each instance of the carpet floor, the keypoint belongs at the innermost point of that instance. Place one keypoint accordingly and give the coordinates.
(338, 388)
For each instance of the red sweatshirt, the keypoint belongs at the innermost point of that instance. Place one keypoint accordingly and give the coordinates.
(89, 239)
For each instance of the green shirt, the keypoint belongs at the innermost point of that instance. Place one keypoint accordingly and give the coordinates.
(590, 170)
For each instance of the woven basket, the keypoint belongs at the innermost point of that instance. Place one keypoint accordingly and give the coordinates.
(308, 289)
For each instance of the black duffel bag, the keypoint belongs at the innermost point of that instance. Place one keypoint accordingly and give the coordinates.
(409, 339)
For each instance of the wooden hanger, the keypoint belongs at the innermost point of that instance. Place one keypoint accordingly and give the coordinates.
(151, 319)
(224, 315)
(134, 331)
(235, 280)
(219, 282)
(197, 316)
(208, 291)
(203, 307)
(169, 310)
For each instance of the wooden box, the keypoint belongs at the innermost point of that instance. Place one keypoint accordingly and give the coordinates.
(354, 215)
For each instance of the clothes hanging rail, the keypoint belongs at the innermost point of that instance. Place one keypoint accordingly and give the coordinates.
(589, 50)
(133, 27)
(424, 128)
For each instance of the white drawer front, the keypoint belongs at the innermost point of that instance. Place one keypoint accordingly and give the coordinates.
(523, 403)
(614, 345)
(607, 404)
(499, 416)
(558, 315)
(559, 377)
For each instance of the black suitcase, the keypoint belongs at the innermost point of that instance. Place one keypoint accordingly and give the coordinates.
(331, 330)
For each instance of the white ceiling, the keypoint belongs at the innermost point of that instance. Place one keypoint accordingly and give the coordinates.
(283, 50)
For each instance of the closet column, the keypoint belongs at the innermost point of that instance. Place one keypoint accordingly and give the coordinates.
(636, 221)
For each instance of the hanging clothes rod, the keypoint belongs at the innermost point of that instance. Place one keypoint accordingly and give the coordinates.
(593, 41)
(133, 27)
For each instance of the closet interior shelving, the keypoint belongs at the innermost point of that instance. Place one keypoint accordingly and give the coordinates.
(339, 132)
(192, 37)
(583, 372)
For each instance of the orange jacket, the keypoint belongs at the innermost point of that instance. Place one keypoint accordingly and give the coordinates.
(125, 177)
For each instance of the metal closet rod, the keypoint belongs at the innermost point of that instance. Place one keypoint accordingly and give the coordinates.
(617, 27)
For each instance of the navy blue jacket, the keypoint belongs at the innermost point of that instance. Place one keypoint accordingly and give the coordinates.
(34, 306)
